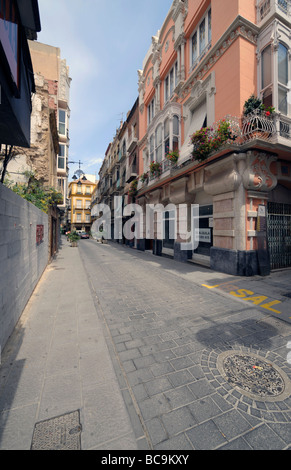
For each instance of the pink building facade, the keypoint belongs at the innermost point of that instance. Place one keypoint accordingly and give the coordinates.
(202, 66)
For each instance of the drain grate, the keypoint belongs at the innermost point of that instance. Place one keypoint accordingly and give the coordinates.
(59, 433)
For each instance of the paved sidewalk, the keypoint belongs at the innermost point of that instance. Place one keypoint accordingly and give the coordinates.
(58, 387)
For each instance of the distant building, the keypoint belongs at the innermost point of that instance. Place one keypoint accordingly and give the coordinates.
(48, 63)
(79, 211)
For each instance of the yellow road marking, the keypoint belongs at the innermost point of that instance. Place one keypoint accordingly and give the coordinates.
(243, 293)
(210, 287)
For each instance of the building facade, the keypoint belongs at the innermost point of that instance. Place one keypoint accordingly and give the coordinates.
(80, 195)
(47, 62)
(214, 136)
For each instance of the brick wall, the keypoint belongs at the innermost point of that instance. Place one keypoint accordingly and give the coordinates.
(22, 259)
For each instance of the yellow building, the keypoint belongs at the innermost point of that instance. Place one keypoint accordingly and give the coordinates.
(80, 194)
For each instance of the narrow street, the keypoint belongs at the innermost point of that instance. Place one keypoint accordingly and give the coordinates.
(168, 332)
(121, 350)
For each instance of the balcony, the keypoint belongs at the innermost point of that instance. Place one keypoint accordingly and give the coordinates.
(132, 143)
(253, 131)
(131, 173)
(267, 8)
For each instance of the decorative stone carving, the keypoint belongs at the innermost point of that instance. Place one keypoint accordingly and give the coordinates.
(257, 175)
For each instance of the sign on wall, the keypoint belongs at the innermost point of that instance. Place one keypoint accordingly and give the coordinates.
(203, 235)
(39, 234)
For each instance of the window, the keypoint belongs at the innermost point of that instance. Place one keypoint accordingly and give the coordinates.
(279, 80)
(159, 143)
(209, 27)
(151, 111)
(282, 79)
(166, 136)
(87, 204)
(202, 37)
(201, 40)
(62, 122)
(171, 81)
(62, 157)
(171, 141)
(79, 204)
(151, 148)
(266, 67)
(194, 48)
(124, 147)
(79, 217)
(88, 190)
(88, 218)
(176, 133)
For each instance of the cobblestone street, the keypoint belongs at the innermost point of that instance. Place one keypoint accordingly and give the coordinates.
(168, 334)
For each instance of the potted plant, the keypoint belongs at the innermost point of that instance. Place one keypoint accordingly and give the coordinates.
(208, 140)
(173, 156)
(144, 177)
(256, 117)
(73, 237)
(253, 105)
(155, 169)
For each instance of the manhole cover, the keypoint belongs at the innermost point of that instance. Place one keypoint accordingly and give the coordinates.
(59, 433)
(252, 374)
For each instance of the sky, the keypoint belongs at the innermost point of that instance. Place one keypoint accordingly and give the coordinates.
(104, 44)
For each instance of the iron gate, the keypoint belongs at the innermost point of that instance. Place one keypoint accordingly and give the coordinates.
(279, 234)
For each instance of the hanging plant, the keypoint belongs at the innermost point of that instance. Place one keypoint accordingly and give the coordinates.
(155, 169)
(133, 187)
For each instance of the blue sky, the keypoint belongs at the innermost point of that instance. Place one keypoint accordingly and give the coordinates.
(104, 44)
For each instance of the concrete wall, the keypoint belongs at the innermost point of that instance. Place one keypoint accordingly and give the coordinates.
(22, 259)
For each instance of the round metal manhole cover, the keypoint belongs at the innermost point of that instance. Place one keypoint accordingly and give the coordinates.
(253, 375)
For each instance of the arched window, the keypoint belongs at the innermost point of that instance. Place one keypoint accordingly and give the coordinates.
(282, 64)
(266, 67)
(152, 148)
(166, 136)
(159, 143)
(176, 133)
(282, 78)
